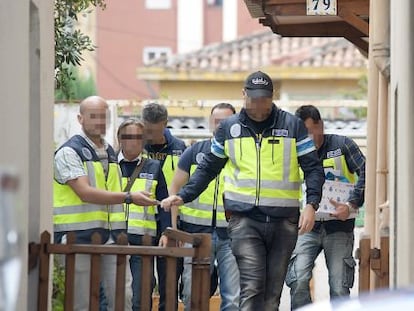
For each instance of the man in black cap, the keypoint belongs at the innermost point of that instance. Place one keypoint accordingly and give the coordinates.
(259, 152)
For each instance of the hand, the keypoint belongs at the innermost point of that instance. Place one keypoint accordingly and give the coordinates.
(307, 219)
(163, 242)
(341, 210)
(143, 198)
(171, 201)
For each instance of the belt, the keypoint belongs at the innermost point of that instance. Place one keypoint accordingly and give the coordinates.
(255, 216)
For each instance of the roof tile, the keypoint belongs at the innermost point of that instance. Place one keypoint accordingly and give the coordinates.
(264, 49)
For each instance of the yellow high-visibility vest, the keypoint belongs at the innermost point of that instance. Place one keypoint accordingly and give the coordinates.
(141, 219)
(265, 174)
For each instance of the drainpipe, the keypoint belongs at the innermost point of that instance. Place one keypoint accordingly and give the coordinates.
(381, 57)
(372, 125)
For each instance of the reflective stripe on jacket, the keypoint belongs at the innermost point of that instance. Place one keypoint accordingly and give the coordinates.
(141, 219)
(338, 163)
(70, 213)
(200, 211)
(262, 171)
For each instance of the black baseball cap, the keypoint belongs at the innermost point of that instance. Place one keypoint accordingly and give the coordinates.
(258, 84)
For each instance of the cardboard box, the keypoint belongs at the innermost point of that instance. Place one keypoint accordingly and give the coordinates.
(340, 192)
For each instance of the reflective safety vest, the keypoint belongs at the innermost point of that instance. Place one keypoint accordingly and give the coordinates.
(70, 213)
(262, 171)
(169, 165)
(200, 211)
(141, 219)
(338, 164)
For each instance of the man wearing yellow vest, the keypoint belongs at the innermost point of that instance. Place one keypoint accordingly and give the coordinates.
(342, 158)
(88, 197)
(139, 174)
(259, 151)
(161, 145)
(206, 215)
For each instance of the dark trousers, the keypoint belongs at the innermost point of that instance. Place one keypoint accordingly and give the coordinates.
(262, 251)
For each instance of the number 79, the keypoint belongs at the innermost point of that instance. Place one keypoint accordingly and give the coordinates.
(327, 4)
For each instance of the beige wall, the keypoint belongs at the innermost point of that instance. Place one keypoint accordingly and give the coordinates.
(201, 89)
(231, 89)
(318, 89)
(26, 116)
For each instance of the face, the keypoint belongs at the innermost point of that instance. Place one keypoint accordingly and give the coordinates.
(258, 109)
(93, 118)
(154, 132)
(131, 140)
(217, 116)
(315, 130)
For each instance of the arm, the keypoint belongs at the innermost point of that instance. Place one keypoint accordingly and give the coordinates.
(356, 164)
(355, 161)
(206, 171)
(180, 179)
(213, 162)
(87, 193)
(68, 169)
(314, 178)
(161, 193)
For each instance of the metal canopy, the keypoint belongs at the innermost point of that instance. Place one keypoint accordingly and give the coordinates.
(288, 18)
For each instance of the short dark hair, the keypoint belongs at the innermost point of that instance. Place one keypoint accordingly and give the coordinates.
(223, 106)
(308, 111)
(154, 113)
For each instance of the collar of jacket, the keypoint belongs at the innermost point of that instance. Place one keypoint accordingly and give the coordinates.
(245, 120)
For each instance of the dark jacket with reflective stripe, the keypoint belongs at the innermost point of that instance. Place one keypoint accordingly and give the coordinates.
(279, 122)
(334, 145)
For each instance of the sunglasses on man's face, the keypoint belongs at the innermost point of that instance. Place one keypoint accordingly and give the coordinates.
(131, 136)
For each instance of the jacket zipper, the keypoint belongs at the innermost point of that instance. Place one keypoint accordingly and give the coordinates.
(258, 146)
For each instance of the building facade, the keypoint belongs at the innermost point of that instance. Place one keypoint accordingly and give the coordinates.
(130, 33)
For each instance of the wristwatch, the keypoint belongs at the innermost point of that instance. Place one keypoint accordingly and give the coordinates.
(314, 205)
(128, 198)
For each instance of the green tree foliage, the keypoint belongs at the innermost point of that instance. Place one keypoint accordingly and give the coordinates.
(70, 42)
(58, 293)
(78, 86)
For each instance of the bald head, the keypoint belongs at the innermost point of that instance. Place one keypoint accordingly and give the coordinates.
(91, 103)
(92, 116)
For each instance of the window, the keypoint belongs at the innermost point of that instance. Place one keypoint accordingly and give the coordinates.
(157, 4)
(215, 2)
(151, 53)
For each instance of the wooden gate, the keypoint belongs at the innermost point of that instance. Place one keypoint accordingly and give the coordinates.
(200, 252)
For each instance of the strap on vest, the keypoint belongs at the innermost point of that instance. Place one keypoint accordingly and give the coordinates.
(131, 180)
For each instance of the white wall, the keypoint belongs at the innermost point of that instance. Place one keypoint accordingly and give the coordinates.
(190, 25)
(402, 143)
(229, 20)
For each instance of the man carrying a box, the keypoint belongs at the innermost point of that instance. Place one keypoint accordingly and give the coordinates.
(342, 159)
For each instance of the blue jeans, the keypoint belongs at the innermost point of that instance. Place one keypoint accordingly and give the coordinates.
(262, 251)
(135, 263)
(227, 271)
(338, 248)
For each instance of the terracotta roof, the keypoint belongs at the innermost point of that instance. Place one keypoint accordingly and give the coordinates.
(267, 49)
